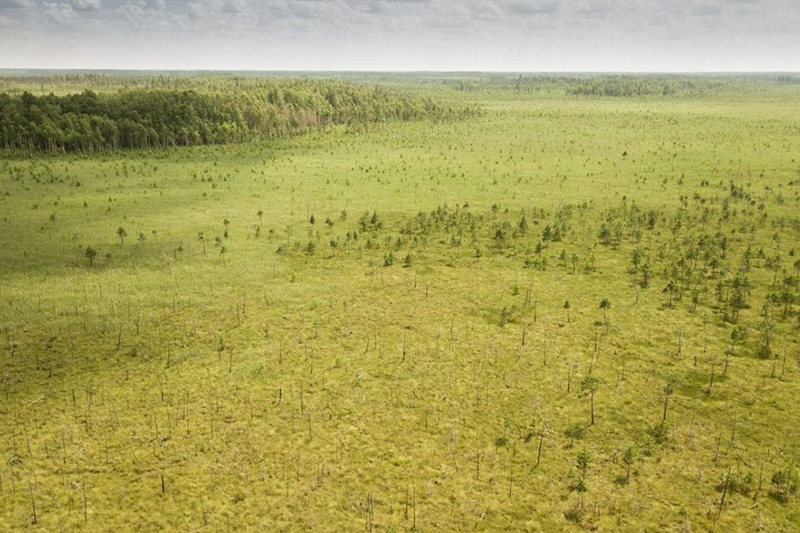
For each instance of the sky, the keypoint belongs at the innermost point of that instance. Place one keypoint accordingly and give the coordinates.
(401, 35)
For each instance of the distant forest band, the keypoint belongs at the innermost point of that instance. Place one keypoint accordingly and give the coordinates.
(160, 118)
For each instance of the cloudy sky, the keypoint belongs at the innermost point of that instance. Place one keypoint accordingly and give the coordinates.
(492, 35)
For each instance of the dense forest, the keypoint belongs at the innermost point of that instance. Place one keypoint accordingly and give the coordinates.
(157, 118)
(622, 85)
(627, 86)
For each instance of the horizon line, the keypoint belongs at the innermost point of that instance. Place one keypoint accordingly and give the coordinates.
(403, 71)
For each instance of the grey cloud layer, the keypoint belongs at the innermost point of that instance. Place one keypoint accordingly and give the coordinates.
(473, 27)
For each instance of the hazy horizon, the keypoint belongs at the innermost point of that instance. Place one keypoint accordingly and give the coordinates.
(89, 70)
(554, 36)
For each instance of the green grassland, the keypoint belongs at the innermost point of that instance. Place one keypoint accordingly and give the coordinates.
(408, 361)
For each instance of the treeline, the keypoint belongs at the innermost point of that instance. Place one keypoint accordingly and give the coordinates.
(628, 86)
(621, 85)
(159, 118)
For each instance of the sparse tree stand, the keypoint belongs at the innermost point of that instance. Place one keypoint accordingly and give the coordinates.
(711, 378)
(33, 504)
(628, 458)
(541, 443)
(90, 253)
(722, 499)
(670, 290)
(605, 305)
(580, 485)
(668, 391)
(738, 335)
(589, 386)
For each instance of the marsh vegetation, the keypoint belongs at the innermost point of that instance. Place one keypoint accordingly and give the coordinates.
(450, 304)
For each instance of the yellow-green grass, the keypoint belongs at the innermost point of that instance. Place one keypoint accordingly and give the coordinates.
(256, 390)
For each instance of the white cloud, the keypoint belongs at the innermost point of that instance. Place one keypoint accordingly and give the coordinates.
(16, 4)
(234, 6)
(472, 34)
(211, 13)
(144, 13)
(86, 5)
(59, 13)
